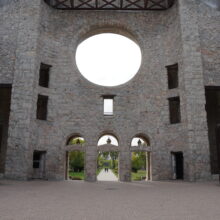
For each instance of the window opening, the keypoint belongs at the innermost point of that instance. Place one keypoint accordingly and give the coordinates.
(44, 75)
(108, 106)
(108, 59)
(1, 135)
(174, 109)
(172, 73)
(42, 107)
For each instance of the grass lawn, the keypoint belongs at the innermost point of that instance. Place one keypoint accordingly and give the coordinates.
(76, 175)
(140, 175)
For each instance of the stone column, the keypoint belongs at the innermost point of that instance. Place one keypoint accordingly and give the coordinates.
(90, 164)
(193, 96)
(19, 157)
(125, 166)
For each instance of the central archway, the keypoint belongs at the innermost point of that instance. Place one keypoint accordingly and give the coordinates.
(108, 158)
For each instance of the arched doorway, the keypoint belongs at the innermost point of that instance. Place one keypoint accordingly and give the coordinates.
(75, 158)
(140, 158)
(108, 158)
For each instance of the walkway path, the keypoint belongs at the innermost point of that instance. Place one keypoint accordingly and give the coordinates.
(107, 176)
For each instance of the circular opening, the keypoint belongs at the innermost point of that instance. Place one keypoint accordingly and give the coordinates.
(108, 59)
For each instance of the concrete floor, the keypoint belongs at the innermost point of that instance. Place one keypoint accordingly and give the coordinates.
(76, 200)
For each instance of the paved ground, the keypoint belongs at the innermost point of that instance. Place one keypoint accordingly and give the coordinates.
(77, 200)
(106, 176)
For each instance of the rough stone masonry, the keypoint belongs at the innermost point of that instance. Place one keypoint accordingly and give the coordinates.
(185, 35)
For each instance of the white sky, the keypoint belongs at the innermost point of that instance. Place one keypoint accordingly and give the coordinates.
(108, 106)
(103, 140)
(108, 59)
(135, 140)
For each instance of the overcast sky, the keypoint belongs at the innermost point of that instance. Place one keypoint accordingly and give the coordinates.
(108, 59)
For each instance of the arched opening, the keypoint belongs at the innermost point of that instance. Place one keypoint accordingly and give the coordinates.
(76, 140)
(75, 158)
(108, 59)
(140, 140)
(108, 139)
(108, 158)
(140, 158)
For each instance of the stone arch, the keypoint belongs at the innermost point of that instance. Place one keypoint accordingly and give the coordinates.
(106, 28)
(74, 136)
(143, 137)
(111, 134)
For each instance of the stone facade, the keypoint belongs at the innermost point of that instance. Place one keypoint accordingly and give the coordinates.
(33, 33)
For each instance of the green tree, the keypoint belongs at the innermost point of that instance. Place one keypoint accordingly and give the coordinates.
(138, 161)
(76, 161)
(114, 157)
(76, 140)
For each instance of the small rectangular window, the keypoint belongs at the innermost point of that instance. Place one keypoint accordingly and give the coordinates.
(172, 74)
(174, 108)
(42, 107)
(44, 75)
(108, 106)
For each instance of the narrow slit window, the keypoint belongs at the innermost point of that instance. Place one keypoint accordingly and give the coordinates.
(44, 75)
(108, 106)
(36, 159)
(174, 108)
(172, 74)
(42, 107)
(1, 137)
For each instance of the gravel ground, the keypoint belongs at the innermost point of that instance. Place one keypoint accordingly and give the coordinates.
(77, 200)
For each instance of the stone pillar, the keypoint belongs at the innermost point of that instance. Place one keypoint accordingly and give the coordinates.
(193, 96)
(19, 156)
(90, 164)
(125, 166)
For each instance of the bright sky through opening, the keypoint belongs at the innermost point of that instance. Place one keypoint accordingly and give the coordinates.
(108, 59)
(103, 140)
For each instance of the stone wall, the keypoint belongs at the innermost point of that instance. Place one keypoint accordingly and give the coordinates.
(140, 106)
(209, 28)
(9, 14)
(76, 106)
